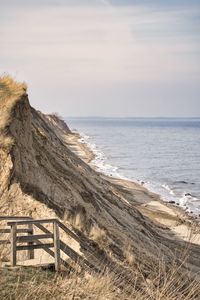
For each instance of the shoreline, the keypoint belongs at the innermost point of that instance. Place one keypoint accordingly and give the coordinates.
(87, 154)
(162, 213)
(176, 184)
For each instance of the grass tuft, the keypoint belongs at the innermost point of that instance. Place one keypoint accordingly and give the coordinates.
(35, 283)
(11, 92)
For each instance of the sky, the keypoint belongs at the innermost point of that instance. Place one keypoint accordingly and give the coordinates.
(110, 58)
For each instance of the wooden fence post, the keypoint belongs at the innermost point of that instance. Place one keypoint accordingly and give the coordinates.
(13, 258)
(31, 251)
(56, 240)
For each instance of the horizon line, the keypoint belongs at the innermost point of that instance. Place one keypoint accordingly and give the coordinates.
(131, 117)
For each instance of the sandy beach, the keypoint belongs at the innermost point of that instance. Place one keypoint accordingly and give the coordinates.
(166, 215)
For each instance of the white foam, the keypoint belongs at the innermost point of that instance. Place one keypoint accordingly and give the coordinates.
(100, 159)
(187, 202)
(158, 189)
(165, 186)
(190, 204)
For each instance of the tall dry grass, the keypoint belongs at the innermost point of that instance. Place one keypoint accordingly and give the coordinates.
(10, 88)
(10, 92)
(31, 283)
(167, 281)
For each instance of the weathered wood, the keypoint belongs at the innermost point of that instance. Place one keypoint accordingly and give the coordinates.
(3, 218)
(31, 238)
(13, 258)
(75, 256)
(57, 243)
(35, 246)
(56, 240)
(2, 230)
(42, 228)
(71, 253)
(30, 253)
(68, 231)
(51, 252)
(21, 230)
(24, 222)
(4, 242)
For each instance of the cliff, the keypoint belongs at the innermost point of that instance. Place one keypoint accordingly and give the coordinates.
(41, 176)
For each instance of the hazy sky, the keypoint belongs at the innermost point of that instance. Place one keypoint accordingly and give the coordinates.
(104, 57)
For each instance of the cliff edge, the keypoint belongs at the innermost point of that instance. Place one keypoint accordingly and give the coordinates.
(40, 176)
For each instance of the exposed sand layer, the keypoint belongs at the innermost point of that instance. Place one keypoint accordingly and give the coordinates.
(73, 142)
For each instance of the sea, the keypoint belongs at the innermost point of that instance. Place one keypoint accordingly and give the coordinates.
(163, 154)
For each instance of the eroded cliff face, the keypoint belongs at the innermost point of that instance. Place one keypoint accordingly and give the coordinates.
(45, 168)
(41, 177)
(41, 165)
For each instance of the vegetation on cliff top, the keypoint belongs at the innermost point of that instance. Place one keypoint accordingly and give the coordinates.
(10, 93)
(10, 90)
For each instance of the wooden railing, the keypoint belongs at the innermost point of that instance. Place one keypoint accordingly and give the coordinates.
(33, 241)
(28, 230)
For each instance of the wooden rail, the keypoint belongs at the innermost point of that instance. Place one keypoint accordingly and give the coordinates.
(33, 241)
(31, 221)
(21, 230)
(28, 230)
(6, 218)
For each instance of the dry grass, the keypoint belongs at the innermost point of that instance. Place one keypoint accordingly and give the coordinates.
(10, 88)
(78, 221)
(167, 280)
(4, 251)
(10, 92)
(37, 284)
(128, 254)
(164, 280)
(6, 142)
(97, 234)
(30, 283)
(77, 217)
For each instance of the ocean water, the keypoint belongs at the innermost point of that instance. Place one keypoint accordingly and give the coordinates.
(162, 154)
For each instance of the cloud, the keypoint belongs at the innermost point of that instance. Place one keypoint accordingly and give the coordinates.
(99, 43)
(111, 42)
(106, 3)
